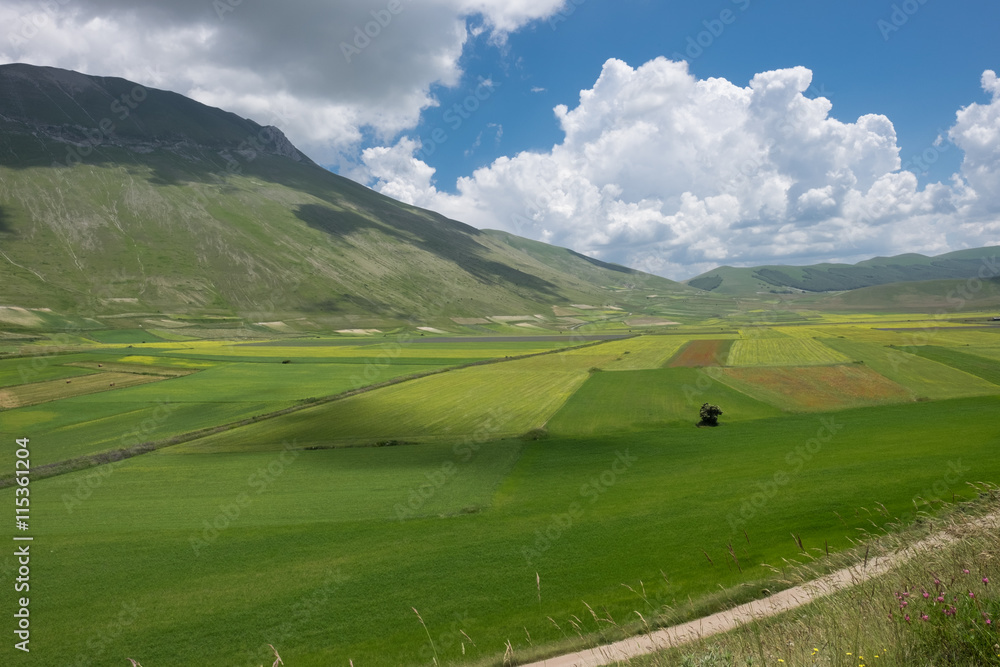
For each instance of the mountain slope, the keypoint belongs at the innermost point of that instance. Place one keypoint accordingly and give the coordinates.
(841, 277)
(182, 208)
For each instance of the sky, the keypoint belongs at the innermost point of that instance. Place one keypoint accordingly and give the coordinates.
(669, 136)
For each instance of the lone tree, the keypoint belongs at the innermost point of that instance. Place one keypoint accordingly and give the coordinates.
(709, 415)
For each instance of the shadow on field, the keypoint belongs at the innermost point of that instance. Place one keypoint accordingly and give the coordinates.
(5, 227)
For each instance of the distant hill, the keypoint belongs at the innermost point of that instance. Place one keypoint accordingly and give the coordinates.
(119, 198)
(729, 280)
(948, 296)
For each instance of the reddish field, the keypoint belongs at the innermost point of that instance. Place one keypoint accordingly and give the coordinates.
(701, 353)
(807, 388)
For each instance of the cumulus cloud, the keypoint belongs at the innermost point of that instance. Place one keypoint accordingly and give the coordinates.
(977, 133)
(325, 72)
(668, 173)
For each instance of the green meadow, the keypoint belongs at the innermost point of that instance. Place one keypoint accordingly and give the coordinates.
(521, 506)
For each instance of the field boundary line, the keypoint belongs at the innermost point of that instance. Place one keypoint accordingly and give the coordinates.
(115, 455)
(730, 619)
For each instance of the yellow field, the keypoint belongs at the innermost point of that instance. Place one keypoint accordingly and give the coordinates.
(810, 332)
(634, 354)
(42, 392)
(478, 403)
(757, 333)
(783, 352)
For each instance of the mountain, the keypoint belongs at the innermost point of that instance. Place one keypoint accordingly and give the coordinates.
(116, 198)
(962, 264)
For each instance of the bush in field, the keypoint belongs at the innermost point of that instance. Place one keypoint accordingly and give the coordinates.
(710, 415)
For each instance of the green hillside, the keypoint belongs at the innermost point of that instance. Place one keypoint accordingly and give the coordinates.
(962, 264)
(159, 204)
(948, 295)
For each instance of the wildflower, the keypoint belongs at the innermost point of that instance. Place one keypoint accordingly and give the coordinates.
(972, 595)
(940, 598)
(965, 571)
(907, 618)
(926, 594)
(924, 617)
(986, 580)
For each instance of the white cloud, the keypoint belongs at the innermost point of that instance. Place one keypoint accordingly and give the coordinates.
(673, 174)
(308, 67)
(977, 132)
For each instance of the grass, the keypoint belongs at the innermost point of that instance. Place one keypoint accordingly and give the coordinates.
(22, 371)
(322, 534)
(123, 336)
(651, 399)
(328, 561)
(921, 612)
(53, 390)
(220, 393)
(925, 378)
(783, 352)
(815, 388)
(500, 399)
(972, 364)
(640, 353)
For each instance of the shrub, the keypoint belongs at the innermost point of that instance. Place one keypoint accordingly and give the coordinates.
(709, 415)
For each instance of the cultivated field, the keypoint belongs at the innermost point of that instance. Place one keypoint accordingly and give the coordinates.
(525, 505)
(783, 352)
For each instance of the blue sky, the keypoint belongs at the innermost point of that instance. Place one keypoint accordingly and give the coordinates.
(668, 136)
(927, 68)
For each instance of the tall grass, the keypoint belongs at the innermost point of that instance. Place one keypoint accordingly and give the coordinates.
(938, 605)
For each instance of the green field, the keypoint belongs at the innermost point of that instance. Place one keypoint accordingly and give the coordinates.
(320, 530)
(322, 526)
(973, 364)
(649, 400)
(499, 400)
(925, 378)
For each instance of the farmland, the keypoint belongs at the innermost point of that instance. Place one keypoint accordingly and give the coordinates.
(701, 353)
(776, 351)
(499, 488)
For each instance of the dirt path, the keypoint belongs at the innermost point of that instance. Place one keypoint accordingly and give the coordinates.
(745, 613)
